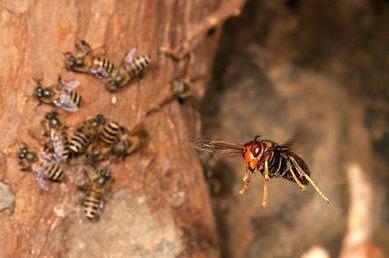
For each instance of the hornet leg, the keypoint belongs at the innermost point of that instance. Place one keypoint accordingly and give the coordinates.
(265, 197)
(302, 187)
(246, 181)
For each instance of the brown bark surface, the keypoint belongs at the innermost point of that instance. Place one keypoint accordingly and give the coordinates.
(159, 205)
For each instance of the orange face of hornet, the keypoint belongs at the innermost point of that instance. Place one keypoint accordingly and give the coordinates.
(252, 154)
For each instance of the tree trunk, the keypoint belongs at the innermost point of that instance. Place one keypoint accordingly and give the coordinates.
(159, 205)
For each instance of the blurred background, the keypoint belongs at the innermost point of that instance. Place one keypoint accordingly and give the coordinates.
(318, 69)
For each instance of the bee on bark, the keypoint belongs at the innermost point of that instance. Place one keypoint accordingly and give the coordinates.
(100, 148)
(128, 142)
(132, 67)
(269, 158)
(182, 90)
(95, 189)
(54, 133)
(83, 135)
(86, 60)
(60, 95)
(44, 170)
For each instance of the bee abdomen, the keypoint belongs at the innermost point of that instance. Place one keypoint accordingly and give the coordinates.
(91, 206)
(54, 172)
(139, 64)
(77, 142)
(76, 98)
(106, 64)
(110, 133)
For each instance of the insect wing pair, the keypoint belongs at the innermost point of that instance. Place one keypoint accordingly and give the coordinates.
(65, 100)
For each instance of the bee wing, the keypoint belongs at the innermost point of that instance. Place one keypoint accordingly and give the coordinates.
(218, 148)
(47, 157)
(100, 72)
(130, 56)
(71, 85)
(58, 145)
(66, 102)
(40, 177)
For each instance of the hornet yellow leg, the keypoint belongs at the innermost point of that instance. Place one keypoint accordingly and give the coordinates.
(246, 181)
(311, 182)
(265, 197)
(302, 187)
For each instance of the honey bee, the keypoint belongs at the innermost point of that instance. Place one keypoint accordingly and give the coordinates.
(86, 60)
(95, 190)
(269, 158)
(55, 136)
(100, 148)
(128, 142)
(109, 134)
(182, 90)
(44, 169)
(132, 67)
(60, 95)
(85, 134)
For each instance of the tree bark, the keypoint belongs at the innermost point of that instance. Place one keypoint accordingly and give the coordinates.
(159, 205)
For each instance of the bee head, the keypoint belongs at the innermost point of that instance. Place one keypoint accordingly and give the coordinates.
(103, 176)
(72, 61)
(23, 152)
(105, 173)
(26, 154)
(43, 93)
(99, 120)
(52, 118)
(113, 84)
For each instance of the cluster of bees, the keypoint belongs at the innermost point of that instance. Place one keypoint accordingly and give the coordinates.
(96, 140)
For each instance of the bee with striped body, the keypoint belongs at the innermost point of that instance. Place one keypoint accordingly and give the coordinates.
(86, 60)
(44, 170)
(100, 148)
(128, 142)
(132, 67)
(269, 158)
(182, 90)
(95, 190)
(83, 135)
(54, 133)
(60, 95)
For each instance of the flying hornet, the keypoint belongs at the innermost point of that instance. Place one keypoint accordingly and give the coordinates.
(269, 158)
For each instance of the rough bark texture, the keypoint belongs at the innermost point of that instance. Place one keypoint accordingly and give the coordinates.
(159, 205)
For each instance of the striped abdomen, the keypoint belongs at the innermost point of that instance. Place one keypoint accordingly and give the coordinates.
(54, 172)
(281, 163)
(104, 66)
(110, 133)
(75, 97)
(138, 65)
(92, 205)
(78, 142)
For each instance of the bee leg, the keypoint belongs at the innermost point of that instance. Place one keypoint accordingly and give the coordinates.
(246, 181)
(265, 197)
(302, 187)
